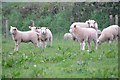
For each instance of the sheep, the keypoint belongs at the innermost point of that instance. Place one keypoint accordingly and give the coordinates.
(68, 36)
(26, 36)
(109, 34)
(88, 24)
(80, 24)
(84, 34)
(115, 31)
(32, 28)
(92, 24)
(45, 36)
(99, 32)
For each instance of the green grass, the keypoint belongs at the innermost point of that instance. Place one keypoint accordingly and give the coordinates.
(63, 60)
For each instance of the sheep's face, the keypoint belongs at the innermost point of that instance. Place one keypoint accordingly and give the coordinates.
(13, 30)
(98, 41)
(91, 23)
(43, 30)
(73, 29)
(38, 29)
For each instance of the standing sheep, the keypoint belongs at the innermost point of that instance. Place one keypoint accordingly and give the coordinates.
(109, 34)
(45, 36)
(84, 34)
(26, 36)
(87, 24)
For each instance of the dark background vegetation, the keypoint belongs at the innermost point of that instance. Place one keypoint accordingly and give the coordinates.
(58, 16)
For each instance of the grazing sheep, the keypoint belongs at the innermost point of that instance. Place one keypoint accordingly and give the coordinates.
(26, 36)
(68, 36)
(45, 36)
(92, 24)
(109, 34)
(99, 32)
(115, 31)
(84, 34)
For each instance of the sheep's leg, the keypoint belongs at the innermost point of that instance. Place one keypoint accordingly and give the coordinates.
(109, 41)
(16, 46)
(39, 43)
(89, 45)
(96, 44)
(83, 45)
(43, 45)
(50, 41)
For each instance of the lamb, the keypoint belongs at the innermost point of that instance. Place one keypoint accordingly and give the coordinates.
(26, 36)
(45, 36)
(109, 34)
(84, 34)
(92, 24)
(68, 36)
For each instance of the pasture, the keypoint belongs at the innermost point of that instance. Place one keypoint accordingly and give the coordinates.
(63, 60)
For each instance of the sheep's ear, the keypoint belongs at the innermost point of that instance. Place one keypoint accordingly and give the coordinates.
(46, 27)
(94, 22)
(30, 27)
(74, 26)
(10, 26)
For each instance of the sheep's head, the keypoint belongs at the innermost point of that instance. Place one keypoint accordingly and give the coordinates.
(72, 29)
(32, 28)
(13, 30)
(98, 41)
(92, 24)
(44, 30)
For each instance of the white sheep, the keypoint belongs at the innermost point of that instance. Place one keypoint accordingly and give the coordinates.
(109, 34)
(26, 36)
(33, 28)
(84, 34)
(99, 32)
(80, 24)
(115, 31)
(92, 24)
(68, 36)
(45, 36)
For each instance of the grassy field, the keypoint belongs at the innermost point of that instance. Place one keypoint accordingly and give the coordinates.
(63, 60)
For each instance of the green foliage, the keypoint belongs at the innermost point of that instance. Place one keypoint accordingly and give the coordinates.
(102, 19)
(63, 60)
(57, 16)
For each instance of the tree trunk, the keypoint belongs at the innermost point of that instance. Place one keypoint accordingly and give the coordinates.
(111, 19)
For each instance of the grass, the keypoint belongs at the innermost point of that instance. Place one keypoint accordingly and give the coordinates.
(63, 60)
